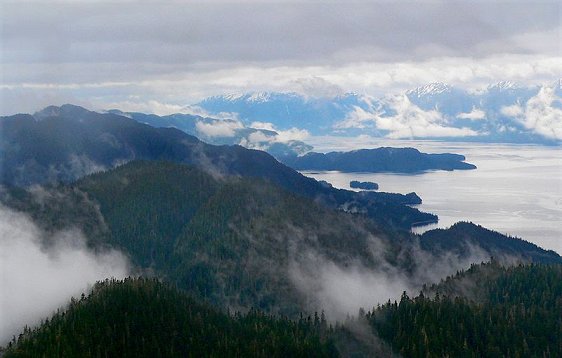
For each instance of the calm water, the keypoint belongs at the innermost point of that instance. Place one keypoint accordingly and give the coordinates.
(516, 190)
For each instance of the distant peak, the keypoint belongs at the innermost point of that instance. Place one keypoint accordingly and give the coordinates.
(55, 111)
(259, 97)
(430, 89)
(253, 97)
(50, 111)
(232, 96)
(504, 86)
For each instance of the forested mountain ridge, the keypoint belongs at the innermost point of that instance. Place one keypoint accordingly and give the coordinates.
(233, 132)
(515, 312)
(65, 143)
(147, 318)
(242, 242)
(228, 240)
(487, 311)
(460, 237)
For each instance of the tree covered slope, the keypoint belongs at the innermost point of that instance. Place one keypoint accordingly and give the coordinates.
(62, 144)
(463, 236)
(515, 312)
(240, 242)
(147, 318)
(487, 311)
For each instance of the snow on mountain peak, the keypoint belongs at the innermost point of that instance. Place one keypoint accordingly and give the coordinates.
(504, 85)
(430, 89)
(232, 96)
(251, 97)
(259, 97)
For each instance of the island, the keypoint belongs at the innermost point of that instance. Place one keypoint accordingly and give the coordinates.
(364, 185)
(378, 160)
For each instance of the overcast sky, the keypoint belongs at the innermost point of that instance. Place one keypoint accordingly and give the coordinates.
(161, 55)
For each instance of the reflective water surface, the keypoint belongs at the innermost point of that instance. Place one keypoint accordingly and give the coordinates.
(516, 189)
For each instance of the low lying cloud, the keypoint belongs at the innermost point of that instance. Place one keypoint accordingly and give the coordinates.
(192, 86)
(542, 113)
(359, 118)
(150, 106)
(406, 121)
(341, 289)
(475, 114)
(282, 136)
(316, 86)
(292, 134)
(219, 127)
(37, 279)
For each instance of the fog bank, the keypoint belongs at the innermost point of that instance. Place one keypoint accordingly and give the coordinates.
(35, 280)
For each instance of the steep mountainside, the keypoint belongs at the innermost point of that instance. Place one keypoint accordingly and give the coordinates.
(509, 312)
(513, 312)
(68, 142)
(146, 318)
(231, 241)
(241, 243)
(224, 131)
(463, 236)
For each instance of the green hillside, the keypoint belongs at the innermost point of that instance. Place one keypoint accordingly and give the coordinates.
(146, 318)
(487, 311)
(230, 241)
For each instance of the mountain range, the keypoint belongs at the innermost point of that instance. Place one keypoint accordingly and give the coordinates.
(249, 249)
(510, 312)
(504, 113)
(242, 242)
(65, 143)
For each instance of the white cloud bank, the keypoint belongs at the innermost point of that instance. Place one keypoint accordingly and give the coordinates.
(218, 128)
(408, 121)
(36, 280)
(162, 96)
(282, 135)
(475, 114)
(341, 290)
(542, 113)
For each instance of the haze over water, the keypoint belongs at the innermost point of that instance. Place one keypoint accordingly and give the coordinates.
(516, 190)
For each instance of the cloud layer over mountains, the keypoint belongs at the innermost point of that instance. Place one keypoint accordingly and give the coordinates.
(164, 55)
(501, 112)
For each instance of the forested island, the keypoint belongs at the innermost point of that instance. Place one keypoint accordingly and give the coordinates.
(378, 160)
(365, 185)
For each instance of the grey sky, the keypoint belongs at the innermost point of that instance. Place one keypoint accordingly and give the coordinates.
(177, 52)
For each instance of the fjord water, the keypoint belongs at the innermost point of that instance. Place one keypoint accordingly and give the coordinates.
(517, 189)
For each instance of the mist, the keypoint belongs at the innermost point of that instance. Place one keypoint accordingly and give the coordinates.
(36, 279)
(342, 289)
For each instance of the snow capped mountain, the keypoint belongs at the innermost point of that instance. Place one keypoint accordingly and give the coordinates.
(252, 97)
(231, 97)
(286, 110)
(504, 86)
(430, 89)
(495, 113)
(259, 97)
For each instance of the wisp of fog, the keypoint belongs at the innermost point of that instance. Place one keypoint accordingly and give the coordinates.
(36, 280)
(341, 290)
